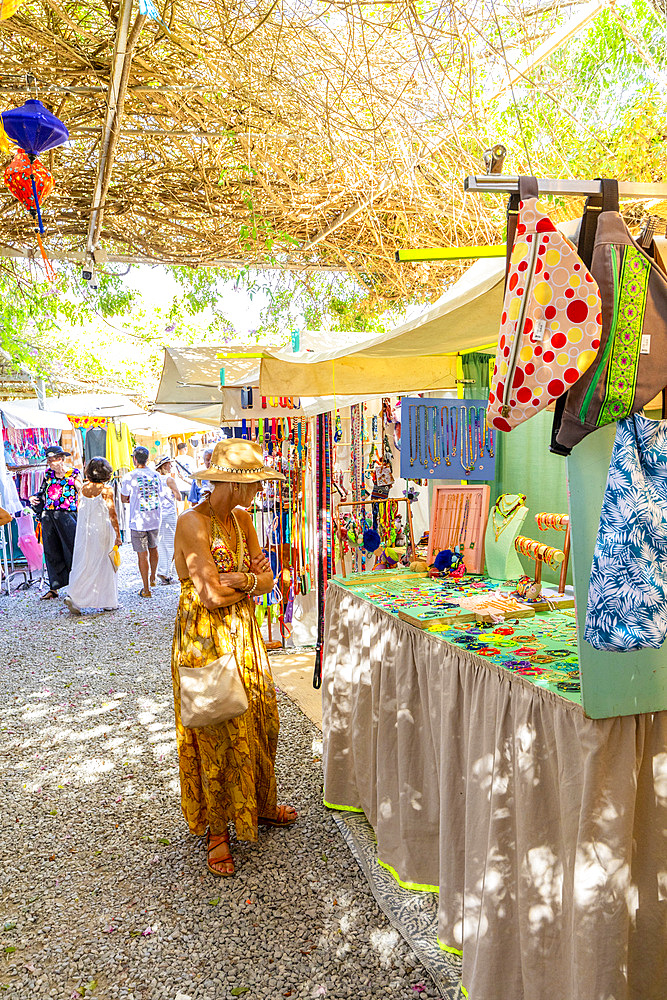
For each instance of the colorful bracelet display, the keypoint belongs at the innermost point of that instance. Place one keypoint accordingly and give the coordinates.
(542, 649)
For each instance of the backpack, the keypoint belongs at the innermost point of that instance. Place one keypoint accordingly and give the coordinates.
(551, 322)
(630, 367)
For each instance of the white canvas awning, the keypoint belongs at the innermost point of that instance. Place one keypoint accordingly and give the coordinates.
(415, 356)
(16, 413)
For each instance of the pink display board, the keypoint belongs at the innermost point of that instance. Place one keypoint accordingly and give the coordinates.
(458, 518)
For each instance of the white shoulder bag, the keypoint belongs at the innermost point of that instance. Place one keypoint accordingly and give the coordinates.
(214, 693)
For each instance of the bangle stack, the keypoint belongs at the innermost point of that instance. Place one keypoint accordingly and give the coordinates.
(251, 584)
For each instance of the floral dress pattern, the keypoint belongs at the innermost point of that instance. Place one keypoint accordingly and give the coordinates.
(226, 771)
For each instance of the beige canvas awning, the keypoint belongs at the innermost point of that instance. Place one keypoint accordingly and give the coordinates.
(414, 356)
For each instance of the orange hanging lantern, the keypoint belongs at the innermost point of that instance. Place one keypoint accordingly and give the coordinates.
(19, 181)
(30, 182)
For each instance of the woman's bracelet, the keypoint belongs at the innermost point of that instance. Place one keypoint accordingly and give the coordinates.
(254, 585)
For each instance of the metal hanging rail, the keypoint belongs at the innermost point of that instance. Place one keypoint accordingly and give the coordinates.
(509, 184)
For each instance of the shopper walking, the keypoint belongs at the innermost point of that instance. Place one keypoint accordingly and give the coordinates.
(199, 487)
(184, 467)
(226, 770)
(59, 493)
(141, 489)
(169, 497)
(93, 581)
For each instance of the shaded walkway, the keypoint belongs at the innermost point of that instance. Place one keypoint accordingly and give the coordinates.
(104, 893)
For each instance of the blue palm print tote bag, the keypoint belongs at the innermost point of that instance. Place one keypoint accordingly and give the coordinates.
(627, 596)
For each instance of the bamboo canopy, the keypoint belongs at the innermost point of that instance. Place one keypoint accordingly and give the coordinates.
(250, 132)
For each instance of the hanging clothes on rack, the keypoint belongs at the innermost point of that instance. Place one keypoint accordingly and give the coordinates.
(119, 445)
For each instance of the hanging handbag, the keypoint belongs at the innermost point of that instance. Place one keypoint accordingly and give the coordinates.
(630, 367)
(213, 693)
(551, 322)
(627, 596)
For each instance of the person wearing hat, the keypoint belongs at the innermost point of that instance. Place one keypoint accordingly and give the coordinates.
(60, 493)
(170, 494)
(141, 489)
(227, 771)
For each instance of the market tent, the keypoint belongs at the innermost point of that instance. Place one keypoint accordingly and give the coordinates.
(164, 424)
(416, 355)
(21, 415)
(190, 381)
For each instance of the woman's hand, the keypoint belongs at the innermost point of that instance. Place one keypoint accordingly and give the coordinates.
(33, 501)
(260, 564)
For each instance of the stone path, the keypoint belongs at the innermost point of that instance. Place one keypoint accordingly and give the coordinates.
(103, 893)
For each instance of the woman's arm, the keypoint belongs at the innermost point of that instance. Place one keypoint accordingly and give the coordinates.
(259, 564)
(78, 484)
(107, 493)
(192, 545)
(171, 483)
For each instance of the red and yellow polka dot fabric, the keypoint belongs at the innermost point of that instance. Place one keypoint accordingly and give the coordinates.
(551, 323)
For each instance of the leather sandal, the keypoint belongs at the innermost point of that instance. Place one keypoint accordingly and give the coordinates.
(50, 595)
(282, 817)
(222, 839)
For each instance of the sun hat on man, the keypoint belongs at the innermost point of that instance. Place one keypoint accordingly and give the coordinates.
(236, 460)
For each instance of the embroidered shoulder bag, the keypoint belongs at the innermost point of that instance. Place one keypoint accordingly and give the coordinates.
(630, 367)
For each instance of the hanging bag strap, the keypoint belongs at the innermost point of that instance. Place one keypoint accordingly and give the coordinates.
(527, 189)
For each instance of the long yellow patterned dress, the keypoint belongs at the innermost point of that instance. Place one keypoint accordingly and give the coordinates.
(227, 771)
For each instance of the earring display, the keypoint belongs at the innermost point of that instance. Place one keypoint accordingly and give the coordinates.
(446, 439)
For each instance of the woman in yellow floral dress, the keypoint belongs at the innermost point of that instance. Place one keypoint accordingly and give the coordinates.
(227, 771)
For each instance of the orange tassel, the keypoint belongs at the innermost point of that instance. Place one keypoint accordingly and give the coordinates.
(48, 266)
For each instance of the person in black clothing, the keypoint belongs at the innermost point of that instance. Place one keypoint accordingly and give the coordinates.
(60, 492)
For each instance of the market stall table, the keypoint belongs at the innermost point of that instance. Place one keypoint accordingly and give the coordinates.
(543, 830)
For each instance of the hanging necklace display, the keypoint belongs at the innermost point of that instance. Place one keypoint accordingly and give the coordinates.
(447, 438)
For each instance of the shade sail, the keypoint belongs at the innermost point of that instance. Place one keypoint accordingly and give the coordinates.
(411, 357)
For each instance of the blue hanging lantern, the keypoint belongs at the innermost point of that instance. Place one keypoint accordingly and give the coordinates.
(34, 128)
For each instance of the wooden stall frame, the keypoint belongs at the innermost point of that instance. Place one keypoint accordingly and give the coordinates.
(363, 503)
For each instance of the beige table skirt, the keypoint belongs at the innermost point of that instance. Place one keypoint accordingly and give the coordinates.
(544, 831)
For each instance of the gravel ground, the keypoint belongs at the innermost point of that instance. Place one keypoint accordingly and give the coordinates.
(103, 892)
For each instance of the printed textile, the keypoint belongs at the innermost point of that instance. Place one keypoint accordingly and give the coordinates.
(227, 771)
(143, 486)
(61, 493)
(627, 596)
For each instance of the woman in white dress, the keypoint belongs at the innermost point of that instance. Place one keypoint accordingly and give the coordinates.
(93, 582)
(170, 494)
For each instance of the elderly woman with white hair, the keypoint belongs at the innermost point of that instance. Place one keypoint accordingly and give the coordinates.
(227, 769)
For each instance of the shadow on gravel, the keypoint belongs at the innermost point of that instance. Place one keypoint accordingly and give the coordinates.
(104, 892)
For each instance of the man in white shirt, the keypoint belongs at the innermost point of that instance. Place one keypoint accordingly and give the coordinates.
(184, 467)
(141, 489)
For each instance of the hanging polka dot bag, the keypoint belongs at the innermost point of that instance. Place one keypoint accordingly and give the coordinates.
(551, 323)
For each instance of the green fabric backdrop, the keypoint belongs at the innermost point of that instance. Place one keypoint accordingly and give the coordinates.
(524, 464)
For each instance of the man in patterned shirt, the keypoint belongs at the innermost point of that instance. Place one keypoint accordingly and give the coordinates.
(141, 489)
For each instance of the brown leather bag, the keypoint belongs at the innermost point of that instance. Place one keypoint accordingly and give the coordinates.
(630, 367)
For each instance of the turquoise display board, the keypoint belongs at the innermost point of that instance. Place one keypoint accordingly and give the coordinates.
(611, 683)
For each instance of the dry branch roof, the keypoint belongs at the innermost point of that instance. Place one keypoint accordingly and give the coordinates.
(250, 126)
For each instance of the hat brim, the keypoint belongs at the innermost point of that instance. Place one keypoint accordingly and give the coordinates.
(216, 476)
(165, 461)
(60, 454)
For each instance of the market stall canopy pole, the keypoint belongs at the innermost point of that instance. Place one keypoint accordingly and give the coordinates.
(119, 76)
